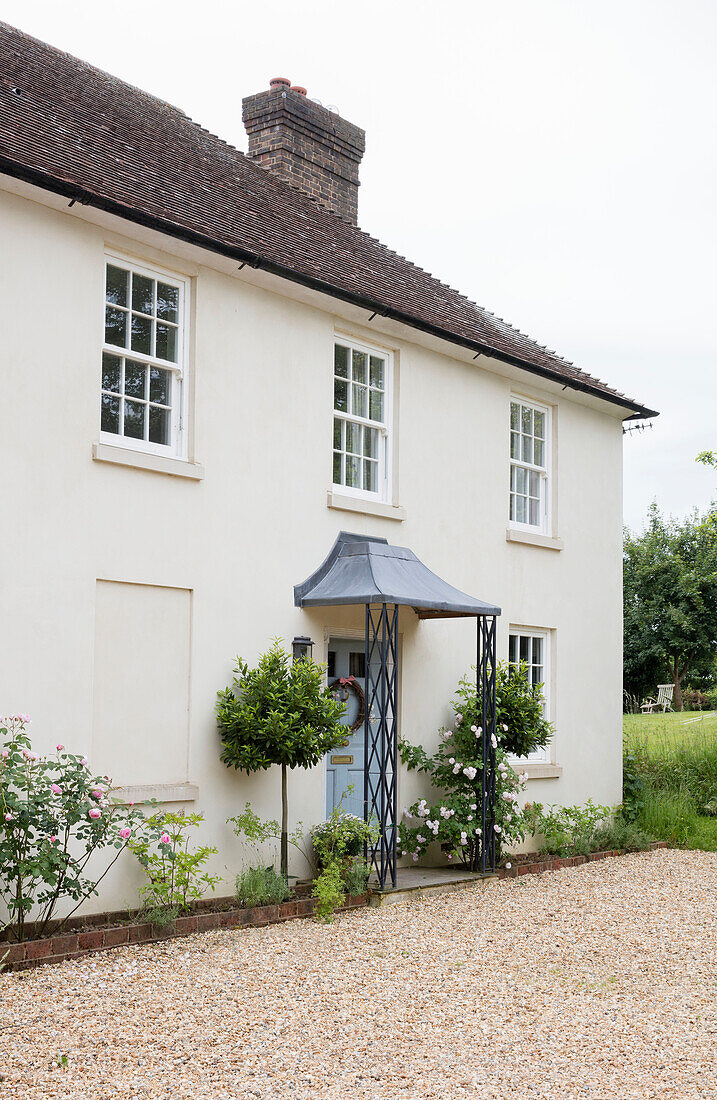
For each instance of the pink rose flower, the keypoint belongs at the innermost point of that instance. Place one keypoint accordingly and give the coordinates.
(164, 839)
(5, 752)
(53, 839)
(8, 817)
(59, 747)
(125, 833)
(94, 812)
(84, 761)
(98, 794)
(56, 789)
(24, 718)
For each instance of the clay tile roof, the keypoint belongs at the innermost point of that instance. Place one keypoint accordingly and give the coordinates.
(75, 130)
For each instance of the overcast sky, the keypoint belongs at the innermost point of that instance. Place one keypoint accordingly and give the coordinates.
(553, 159)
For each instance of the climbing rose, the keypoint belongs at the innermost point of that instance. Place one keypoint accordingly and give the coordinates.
(8, 817)
(98, 794)
(164, 839)
(125, 833)
(5, 752)
(59, 747)
(56, 789)
(94, 812)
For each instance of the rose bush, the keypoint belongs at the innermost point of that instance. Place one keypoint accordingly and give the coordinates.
(454, 770)
(54, 816)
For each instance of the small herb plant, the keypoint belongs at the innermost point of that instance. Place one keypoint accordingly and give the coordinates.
(174, 871)
(261, 886)
(55, 815)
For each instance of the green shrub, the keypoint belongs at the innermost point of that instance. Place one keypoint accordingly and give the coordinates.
(341, 837)
(711, 699)
(329, 891)
(261, 886)
(566, 830)
(621, 834)
(55, 817)
(454, 770)
(175, 873)
(356, 877)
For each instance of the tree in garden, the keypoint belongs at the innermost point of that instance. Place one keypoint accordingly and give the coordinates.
(670, 601)
(281, 713)
(453, 816)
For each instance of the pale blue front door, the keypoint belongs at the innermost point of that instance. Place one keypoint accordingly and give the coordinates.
(344, 766)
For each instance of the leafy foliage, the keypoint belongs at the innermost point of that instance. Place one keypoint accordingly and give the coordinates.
(175, 872)
(251, 827)
(341, 837)
(566, 830)
(277, 713)
(261, 886)
(329, 890)
(454, 769)
(670, 601)
(54, 817)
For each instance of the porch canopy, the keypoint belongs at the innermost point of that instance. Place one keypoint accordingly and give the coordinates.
(363, 569)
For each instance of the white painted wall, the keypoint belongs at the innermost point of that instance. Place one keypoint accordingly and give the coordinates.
(235, 543)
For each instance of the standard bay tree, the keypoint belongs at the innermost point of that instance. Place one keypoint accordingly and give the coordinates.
(279, 713)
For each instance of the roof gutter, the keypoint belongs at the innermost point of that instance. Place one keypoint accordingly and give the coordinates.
(73, 191)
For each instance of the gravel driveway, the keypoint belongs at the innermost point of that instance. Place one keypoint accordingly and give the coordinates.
(597, 981)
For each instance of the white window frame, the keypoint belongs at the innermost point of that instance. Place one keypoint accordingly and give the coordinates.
(542, 755)
(385, 457)
(178, 371)
(544, 472)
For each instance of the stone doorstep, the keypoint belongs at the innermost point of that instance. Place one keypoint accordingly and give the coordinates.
(56, 949)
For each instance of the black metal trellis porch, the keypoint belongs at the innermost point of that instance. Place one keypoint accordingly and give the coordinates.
(364, 570)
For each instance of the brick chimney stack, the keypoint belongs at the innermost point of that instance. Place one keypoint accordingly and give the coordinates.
(306, 145)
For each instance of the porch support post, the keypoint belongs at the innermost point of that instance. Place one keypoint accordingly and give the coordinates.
(485, 687)
(381, 737)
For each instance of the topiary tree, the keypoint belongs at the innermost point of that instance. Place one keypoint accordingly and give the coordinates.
(280, 712)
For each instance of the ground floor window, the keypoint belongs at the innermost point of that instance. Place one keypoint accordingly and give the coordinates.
(532, 648)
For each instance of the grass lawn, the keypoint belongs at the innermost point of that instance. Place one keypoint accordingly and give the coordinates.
(679, 753)
(665, 731)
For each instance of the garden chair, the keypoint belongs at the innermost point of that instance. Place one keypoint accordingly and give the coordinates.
(663, 701)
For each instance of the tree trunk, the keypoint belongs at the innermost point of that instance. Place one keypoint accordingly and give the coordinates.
(677, 678)
(284, 824)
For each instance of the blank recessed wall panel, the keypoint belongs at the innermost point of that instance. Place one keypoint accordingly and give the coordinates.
(141, 683)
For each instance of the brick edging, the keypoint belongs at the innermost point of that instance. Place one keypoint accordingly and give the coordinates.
(556, 863)
(73, 945)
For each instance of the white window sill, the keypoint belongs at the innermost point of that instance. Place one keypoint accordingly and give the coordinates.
(123, 456)
(535, 770)
(162, 792)
(347, 503)
(529, 539)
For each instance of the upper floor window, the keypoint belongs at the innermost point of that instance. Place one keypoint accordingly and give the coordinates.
(143, 358)
(532, 648)
(362, 381)
(529, 465)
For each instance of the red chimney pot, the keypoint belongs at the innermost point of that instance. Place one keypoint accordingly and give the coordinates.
(298, 88)
(279, 82)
